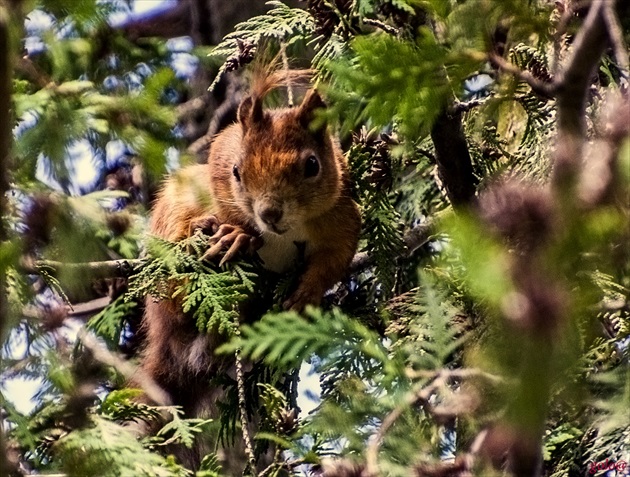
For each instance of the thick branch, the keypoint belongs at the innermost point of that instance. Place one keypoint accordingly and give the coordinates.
(574, 79)
(5, 149)
(414, 238)
(572, 86)
(453, 159)
(5, 145)
(165, 23)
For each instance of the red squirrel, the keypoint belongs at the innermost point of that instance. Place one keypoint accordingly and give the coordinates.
(273, 181)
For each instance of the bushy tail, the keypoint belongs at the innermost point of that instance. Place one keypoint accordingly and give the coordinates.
(270, 75)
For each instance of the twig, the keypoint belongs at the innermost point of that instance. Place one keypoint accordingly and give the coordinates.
(153, 391)
(240, 385)
(75, 311)
(285, 65)
(421, 393)
(414, 238)
(449, 374)
(539, 87)
(428, 154)
(89, 307)
(49, 475)
(274, 464)
(383, 26)
(104, 269)
(464, 106)
(615, 33)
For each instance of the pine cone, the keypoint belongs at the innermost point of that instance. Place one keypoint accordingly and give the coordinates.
(326, 19)
(246, 53)
(287, 422)
(402, 19)
(53, 318)
(118, 222)
(39, 219)
(377, 147)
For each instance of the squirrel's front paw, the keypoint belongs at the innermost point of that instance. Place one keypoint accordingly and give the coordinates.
(231, 239)
(208, 224)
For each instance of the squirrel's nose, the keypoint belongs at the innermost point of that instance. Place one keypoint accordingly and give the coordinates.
(270, 215)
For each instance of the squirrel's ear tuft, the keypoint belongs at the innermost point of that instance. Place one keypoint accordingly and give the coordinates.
(312, 102)
(250, 112)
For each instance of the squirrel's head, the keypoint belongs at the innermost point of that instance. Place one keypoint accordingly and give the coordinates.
(288, 171)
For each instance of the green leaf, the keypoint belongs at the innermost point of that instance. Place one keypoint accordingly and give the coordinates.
(181, 430)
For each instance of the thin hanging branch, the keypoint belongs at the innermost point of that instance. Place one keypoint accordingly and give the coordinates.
(285, 65)
(242, 407)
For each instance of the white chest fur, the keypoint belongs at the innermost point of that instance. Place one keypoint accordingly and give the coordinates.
(279, 252)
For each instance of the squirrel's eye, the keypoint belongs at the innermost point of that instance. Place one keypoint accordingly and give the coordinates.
(311, 166)
(237, 176)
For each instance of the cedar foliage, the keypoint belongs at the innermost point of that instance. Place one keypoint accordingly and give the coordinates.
(511, 322)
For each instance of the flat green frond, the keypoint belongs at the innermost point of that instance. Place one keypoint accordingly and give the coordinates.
(107, 449)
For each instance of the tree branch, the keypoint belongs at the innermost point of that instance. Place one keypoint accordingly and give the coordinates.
(242, 407)
(383, 26)
(414, 238)
(453, 159)
(104, 269)
(420, 393)
(572, 86)
(541, 88)
(6, 75)
(26, 66)
(615, 33)
(165, 23)
(100, 353)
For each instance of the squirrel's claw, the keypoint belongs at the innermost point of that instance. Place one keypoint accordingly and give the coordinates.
(241, 242)
(232, 240)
